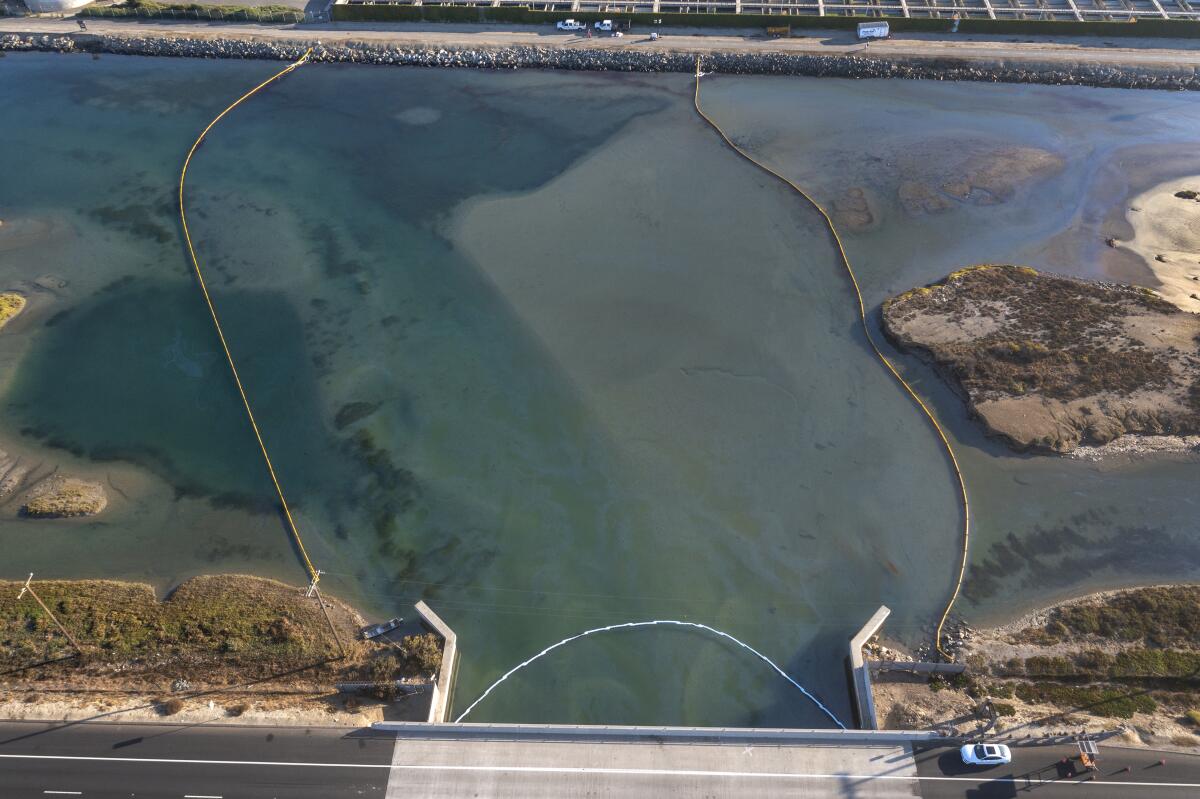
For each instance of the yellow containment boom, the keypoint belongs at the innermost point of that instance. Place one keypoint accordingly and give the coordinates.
(862, 315)
(313, 574)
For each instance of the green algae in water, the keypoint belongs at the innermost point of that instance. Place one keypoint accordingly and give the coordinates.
(136, 373)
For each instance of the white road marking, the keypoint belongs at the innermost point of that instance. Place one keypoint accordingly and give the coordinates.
(200, 796)
(633, 772)
(65, 793)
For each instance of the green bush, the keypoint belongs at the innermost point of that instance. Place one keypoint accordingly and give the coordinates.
(433, 13)
(1193, 716)
(153, 9)
(423, 651)
(1013, 667)
(1045, 666)
(1157, 616)
(1098, 701)
(1001, 690)
(1004, 709)
(1156, 663)
(1094, 662)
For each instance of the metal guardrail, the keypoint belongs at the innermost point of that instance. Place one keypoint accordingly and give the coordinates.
(403, 686)
(661, 734)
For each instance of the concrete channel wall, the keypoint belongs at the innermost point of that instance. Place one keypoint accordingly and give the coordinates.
(998, 70)
(654, 734)
(860, 672)
(443, 685)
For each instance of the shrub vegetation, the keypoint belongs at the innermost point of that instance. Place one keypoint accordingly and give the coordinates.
(1158, 617)
(233, 13)
(1098, 701)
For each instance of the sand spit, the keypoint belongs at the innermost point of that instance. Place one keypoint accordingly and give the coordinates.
(1138, 446)
(61, 497)
(1166, 224)
(43, 493)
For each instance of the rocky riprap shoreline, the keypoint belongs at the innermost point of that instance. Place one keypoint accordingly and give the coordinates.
(620, 60)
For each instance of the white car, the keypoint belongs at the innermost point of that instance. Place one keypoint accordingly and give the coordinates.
(986, 754)
(569, 25)
(604, 25)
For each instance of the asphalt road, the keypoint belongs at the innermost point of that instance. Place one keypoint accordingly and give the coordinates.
(658, 765)
(1037, 771)
(157, 760)
(228, 762)
(979, 48)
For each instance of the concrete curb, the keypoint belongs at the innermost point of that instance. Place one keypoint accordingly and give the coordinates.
(411, 729)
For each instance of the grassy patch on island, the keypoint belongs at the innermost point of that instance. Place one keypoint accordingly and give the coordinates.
(212, 630)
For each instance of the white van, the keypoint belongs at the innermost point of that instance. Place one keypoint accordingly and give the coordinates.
(873, 30)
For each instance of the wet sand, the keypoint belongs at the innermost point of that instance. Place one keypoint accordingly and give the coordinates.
(1166, 235)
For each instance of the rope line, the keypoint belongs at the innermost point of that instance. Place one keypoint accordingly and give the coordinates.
(862, 313)
(656, 622)
(212, 310)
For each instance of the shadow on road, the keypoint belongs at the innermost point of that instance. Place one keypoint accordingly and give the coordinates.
(1000, 788)
(951, 764)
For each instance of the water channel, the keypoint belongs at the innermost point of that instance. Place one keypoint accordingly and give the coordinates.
(536, 348)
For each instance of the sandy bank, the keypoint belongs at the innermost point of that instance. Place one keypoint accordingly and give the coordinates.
(1167, 237)
(219, 646)
(1110, 659)
(36, 490)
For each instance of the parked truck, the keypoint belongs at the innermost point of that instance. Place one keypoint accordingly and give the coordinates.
(873, 30)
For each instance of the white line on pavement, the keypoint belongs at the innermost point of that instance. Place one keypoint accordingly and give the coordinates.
(65, 793)
(200, 796)
(636, 772)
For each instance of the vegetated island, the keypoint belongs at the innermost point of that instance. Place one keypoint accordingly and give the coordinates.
(1128, 658)
(254, 648)
(1049, 362)
(11, 304)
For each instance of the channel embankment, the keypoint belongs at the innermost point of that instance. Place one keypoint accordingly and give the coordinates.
(1040, 66)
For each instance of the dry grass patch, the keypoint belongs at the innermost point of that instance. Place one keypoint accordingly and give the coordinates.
(212, 630)
(11, 304)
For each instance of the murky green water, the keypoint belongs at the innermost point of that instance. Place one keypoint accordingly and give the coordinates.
(536, 348)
